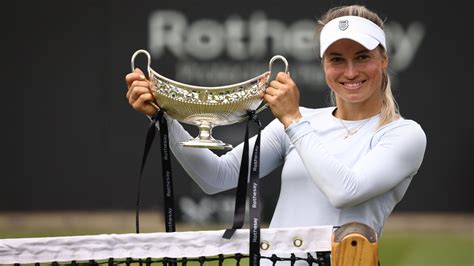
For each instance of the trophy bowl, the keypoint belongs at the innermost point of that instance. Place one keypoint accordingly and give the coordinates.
(208, 107)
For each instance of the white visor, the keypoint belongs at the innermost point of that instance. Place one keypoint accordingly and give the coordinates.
(358, 29)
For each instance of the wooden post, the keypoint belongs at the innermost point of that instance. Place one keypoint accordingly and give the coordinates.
(354, 244)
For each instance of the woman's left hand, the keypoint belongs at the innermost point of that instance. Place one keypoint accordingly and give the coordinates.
(283, 97)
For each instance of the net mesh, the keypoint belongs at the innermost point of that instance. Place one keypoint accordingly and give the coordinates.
(321, 258)
(291, 246)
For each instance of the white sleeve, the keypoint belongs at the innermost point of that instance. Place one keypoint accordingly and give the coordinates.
(215, 173)
(396, 156)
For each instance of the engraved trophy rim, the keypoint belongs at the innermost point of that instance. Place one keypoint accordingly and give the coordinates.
(207, 107)
(198, 87)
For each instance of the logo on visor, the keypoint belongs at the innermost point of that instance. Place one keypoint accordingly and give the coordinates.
(343, 24)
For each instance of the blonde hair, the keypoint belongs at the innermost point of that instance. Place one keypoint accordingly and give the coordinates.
(389, 110)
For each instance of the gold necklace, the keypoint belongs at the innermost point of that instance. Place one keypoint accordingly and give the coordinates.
(353, 131)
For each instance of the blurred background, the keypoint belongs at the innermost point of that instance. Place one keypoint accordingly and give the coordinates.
(72, 146)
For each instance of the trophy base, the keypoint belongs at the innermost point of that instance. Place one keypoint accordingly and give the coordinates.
(210, 144)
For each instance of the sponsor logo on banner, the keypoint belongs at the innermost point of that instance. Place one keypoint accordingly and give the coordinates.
(213, 52)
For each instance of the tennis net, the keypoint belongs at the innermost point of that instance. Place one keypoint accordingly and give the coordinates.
(307, 245)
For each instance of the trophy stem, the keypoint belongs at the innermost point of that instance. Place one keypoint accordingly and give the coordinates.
(205, 139)
(205, 131)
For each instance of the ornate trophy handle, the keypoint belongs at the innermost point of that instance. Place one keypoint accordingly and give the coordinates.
(141, 51)
(282, 58)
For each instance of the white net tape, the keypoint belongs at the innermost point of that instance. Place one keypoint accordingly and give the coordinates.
(158, 245)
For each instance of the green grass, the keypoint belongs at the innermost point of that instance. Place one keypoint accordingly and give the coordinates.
(426, 248)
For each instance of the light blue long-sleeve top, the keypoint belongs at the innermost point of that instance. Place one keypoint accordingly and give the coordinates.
(326, 179)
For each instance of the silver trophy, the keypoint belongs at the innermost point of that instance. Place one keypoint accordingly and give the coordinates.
(208, 107)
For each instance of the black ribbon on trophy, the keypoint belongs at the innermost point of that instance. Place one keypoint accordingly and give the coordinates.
(253, 192)
(207, 107)
(170, 224)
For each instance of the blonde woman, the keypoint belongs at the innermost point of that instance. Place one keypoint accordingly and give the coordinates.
(349, 162)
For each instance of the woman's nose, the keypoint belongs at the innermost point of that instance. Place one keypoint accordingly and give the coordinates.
(351, 71)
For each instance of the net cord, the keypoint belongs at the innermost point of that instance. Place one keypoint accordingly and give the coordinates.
(161, 245)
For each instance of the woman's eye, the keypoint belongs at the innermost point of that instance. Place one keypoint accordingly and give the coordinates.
(363, 57)
(335, 59)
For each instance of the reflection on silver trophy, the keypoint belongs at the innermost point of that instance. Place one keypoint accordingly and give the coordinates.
(208, 107)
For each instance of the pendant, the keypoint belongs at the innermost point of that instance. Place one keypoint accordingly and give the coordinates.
(350, 133)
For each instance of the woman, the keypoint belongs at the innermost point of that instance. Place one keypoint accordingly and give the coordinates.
(349, 162)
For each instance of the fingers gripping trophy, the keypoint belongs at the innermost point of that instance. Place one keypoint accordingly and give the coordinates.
(208, 107)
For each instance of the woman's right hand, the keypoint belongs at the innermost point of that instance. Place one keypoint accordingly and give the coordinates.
(139, 93)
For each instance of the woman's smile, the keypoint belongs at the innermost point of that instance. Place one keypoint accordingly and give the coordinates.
(352, 86)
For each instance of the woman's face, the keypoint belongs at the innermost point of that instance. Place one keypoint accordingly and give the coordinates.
(355, 73)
